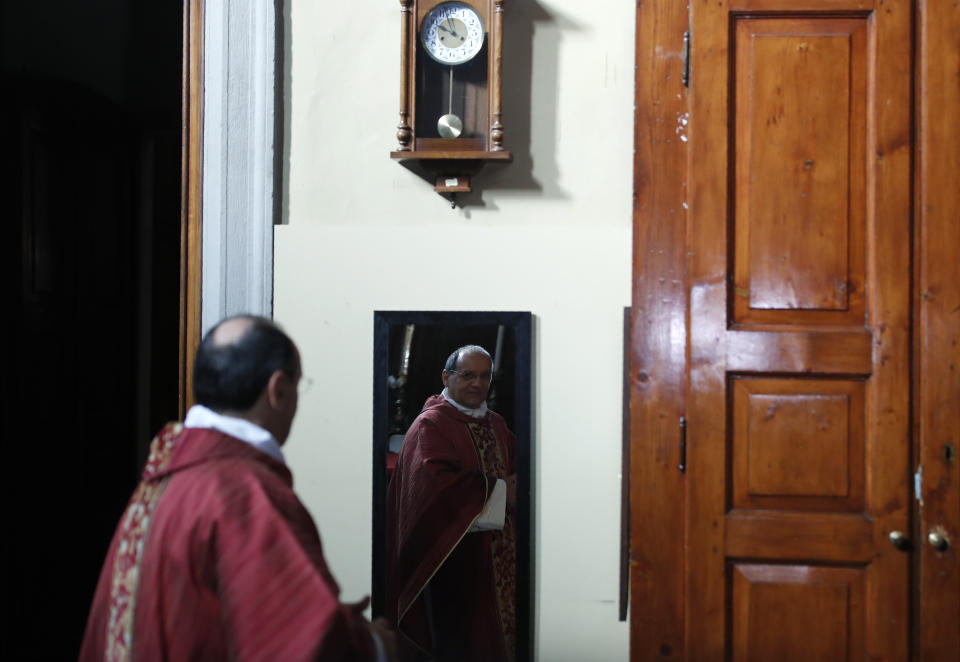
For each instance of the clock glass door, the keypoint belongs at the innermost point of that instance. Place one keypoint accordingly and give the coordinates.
(451, 78)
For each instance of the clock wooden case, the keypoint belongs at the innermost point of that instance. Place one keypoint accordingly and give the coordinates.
(450, 88)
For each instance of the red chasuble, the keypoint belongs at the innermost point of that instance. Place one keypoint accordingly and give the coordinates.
(215, 558)
(450, 591)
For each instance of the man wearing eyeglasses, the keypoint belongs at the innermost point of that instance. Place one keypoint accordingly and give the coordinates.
(215, 558)
(451, 535)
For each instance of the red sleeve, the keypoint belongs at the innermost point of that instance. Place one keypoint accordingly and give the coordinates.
(278, 600)
(435, 494)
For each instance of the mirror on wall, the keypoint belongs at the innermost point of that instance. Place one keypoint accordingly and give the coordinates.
(410, 349)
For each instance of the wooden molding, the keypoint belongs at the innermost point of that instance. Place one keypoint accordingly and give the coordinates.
(496, 80)
(936, 330)
(190, 196)
(657, 371)
(404, 131)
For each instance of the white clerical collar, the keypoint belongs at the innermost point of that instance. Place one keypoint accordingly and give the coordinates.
(479, 412)
(238, 428)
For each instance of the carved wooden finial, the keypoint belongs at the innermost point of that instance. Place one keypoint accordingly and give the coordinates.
(496, 80)
(496, 134)
(404, 132)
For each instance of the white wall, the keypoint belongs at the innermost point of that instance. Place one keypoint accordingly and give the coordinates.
(549, 233)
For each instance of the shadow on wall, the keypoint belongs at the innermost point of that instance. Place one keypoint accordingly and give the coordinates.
(530, 101)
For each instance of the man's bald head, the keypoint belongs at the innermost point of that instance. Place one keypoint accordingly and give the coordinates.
(453, 361)
(230, 330)
(237, 358)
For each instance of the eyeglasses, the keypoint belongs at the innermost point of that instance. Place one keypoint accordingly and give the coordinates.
(470, 376)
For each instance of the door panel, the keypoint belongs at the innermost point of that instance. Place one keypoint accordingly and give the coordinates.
(798, 444)
(799, 155)
(777, 607)
(798, 388)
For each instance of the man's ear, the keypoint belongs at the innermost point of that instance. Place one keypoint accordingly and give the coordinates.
(445, 376)
(278, 389)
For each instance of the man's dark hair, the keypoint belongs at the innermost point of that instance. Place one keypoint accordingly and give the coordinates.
(454, 358)
(231, 376)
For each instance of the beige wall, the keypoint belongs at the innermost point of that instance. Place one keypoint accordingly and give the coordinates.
(549, 233)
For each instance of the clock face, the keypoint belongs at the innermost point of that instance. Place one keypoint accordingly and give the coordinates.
(452, 33)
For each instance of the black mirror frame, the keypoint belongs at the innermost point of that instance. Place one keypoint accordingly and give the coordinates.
(522, 325)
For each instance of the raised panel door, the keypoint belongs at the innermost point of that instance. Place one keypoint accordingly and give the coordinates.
(798, 268)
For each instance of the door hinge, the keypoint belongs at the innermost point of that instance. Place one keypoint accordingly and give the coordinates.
(683, 445)
(685, 56)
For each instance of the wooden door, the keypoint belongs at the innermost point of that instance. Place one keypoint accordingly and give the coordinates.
(799, 374)
(795, 135)
(937, 323)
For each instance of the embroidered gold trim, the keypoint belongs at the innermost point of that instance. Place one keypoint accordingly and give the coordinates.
(503, 542)
(134, 529)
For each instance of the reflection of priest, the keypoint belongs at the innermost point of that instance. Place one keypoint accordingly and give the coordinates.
(215, 557)
(451, 537)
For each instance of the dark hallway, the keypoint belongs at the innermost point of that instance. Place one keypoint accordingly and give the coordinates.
(91, 136)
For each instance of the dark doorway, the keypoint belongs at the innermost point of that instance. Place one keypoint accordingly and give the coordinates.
(91, 139)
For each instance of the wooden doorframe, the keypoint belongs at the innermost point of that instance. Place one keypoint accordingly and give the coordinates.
(190, 197)
(936, 396)
(658, 338)
(230, 169)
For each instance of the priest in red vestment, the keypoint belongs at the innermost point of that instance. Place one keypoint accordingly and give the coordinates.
(215, 558)
(451, 536)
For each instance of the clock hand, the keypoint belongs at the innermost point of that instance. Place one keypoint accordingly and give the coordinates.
(440, 27)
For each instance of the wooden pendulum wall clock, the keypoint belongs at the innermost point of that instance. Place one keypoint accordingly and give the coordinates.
(450, 89)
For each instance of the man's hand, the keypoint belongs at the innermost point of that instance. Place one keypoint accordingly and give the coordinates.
(387, 637)
(512, 490)
(380, 627)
